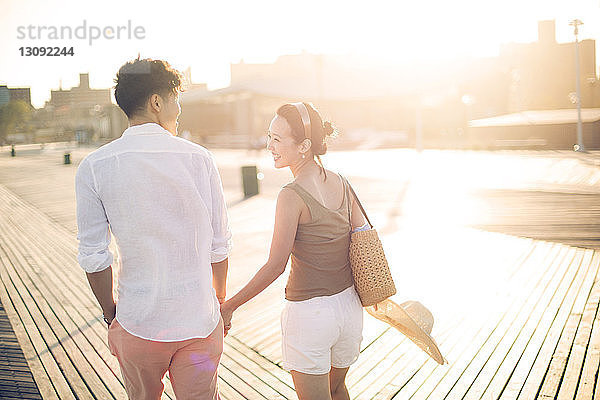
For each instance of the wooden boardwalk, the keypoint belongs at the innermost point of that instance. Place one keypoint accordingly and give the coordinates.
(516, 318)
(16, 380)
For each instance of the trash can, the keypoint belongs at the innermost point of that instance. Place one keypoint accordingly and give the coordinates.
(67, 158)
(250, 180)
(12, 150)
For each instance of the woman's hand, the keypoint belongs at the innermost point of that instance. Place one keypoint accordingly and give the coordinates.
(226, 314)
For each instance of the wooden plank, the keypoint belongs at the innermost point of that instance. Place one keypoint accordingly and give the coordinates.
(79, 374)
(555, 318)
(405, 362)
(66, 307)
(588, 380)
(29, 260)
(33, 363)
(22, 347)
(55, 289)
(469, 330)
(41, 351)
(226, 391)
(255, 326)
(244, 390)
(367, 368)
(507, 355)
(480, 373)
(558, 363)
(522, 370)
(579, 327)
(368, 354)
(262, 371)
(58, 266)
(507, 380)
(272, 350)
(582, 346)
(460, 376)
(249, 378)
(273, 369)
(38, 233)
(38, 229)
(431, 375)
(402, 381)
(71, 292)
(391, 355)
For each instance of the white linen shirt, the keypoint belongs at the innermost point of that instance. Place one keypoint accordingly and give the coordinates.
(161, 197)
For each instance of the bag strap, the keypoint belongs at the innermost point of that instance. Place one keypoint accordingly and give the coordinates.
(358, 201)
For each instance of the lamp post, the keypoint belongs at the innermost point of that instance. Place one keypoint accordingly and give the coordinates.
(579, 146)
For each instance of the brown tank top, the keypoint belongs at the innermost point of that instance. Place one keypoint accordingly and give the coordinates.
(320, 264)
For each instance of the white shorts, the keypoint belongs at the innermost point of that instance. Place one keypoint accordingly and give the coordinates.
(322, 332)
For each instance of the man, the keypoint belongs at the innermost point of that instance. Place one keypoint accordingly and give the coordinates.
(161, 197)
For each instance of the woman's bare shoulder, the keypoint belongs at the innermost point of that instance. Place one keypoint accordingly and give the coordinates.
(288, 196)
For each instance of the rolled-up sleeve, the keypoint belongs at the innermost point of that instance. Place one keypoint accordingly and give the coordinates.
(93, 231)
(221, 242)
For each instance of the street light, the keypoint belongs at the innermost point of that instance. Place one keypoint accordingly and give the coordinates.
(579, 146)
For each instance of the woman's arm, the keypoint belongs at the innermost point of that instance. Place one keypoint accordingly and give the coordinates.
(356, 216)
(287, 214)
(219, 270)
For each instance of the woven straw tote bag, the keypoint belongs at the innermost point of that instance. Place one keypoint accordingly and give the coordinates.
(372, 277)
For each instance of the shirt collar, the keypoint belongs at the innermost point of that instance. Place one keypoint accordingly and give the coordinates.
(149, 128)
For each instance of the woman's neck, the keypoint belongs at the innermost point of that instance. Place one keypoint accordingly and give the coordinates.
(304, 167)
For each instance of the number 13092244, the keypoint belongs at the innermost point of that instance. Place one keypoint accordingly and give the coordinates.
(46, 51)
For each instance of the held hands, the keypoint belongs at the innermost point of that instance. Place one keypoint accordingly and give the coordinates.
(226, 314)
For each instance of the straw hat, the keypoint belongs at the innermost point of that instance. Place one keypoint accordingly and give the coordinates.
(413, 320)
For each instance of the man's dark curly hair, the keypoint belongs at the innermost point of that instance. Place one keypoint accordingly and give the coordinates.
(137, 80)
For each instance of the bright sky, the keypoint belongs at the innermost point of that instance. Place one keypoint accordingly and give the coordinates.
(208, 35)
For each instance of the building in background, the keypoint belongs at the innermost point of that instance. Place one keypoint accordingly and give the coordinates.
(240, 116)
(542, 74)
(15, 106)
(80, 114)
(80, 96)
(540, 129)
(343, 88)
(542, 104)
(375, 105)
(20, 94)
(13, 94)
(4, 95)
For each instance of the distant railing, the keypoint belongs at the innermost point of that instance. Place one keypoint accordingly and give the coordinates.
(520, 142)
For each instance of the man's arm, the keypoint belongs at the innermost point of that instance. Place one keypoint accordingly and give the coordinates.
(221, 241)
(93, 232)
(102, 286)
(220, 278)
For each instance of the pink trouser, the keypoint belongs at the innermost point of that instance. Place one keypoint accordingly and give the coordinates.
(192, 364)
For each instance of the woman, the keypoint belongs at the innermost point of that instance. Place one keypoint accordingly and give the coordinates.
(322, 318)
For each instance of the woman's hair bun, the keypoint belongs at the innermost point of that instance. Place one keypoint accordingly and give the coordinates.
(328, 129)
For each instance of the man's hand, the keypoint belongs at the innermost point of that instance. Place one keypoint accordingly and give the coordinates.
(226, 314)
(109, 314)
